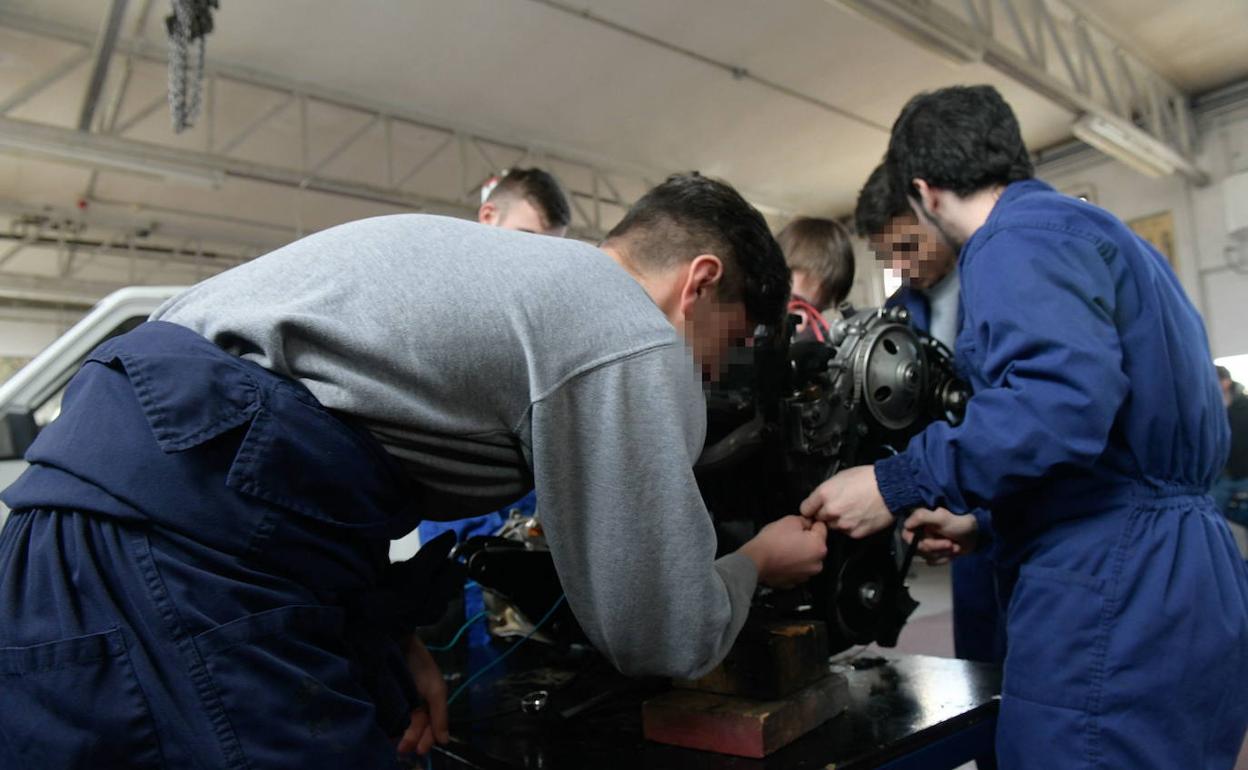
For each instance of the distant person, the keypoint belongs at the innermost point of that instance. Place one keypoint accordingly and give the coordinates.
(928, 266)
(1234, 479)
(820, 254)
(529, 200)
(931, 293)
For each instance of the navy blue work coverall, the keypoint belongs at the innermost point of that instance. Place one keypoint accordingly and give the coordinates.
(194, 573)
(1095, 430)
(978, 628)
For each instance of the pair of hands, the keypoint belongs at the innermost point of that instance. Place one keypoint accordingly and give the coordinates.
(791, 550)
(786, 552)
(850, 502)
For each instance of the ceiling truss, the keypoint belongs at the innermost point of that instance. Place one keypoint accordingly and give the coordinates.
(594, 185)
(600, 190)
(1056, 50)
(1048, 45)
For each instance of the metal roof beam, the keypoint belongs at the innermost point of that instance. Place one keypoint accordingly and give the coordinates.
(34, 87)
(1150, 111)
(33, 288)
(26, 138)
(392, 113)
(102, 53)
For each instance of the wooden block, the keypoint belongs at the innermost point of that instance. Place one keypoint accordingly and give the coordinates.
(769, 661)
(746, 728)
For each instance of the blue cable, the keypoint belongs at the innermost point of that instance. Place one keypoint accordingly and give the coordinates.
(459, 690)
(459, 633)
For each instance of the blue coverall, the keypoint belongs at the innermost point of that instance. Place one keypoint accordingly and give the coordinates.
(978, 628)
(1095, 430)
(193, 575)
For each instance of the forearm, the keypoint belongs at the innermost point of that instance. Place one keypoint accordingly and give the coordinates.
(1047, 363)
(630, 536)
(654, 606)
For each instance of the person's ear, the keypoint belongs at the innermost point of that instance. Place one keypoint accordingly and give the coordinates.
(488, 214)
(701, 279)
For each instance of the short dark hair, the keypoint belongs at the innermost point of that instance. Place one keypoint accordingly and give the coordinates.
(963, 139)
(878, 204)
(1223, 373)
(821, 248)
(690, 214)
(540, 189)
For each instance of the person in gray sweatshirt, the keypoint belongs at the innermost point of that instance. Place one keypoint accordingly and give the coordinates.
(219, 491)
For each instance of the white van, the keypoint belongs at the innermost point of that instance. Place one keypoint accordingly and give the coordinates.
(32, 397)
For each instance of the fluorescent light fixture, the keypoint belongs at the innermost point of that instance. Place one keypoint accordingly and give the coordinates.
(95, 151)
(84, 156)
(918, 27)
(1126, 144)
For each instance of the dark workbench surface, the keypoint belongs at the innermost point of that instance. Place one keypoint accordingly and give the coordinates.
(593, 717)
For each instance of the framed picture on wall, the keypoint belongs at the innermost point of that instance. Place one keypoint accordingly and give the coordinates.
(1157, 229)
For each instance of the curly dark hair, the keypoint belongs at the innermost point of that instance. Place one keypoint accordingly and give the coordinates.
(690, 214)
(963, 139)
(878, 204)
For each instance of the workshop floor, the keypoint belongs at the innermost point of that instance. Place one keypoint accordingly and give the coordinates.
(930, 629)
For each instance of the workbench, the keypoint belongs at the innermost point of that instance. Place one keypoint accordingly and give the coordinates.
(903, 712)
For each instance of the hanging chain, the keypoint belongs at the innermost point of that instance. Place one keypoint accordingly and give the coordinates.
(188, 25)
